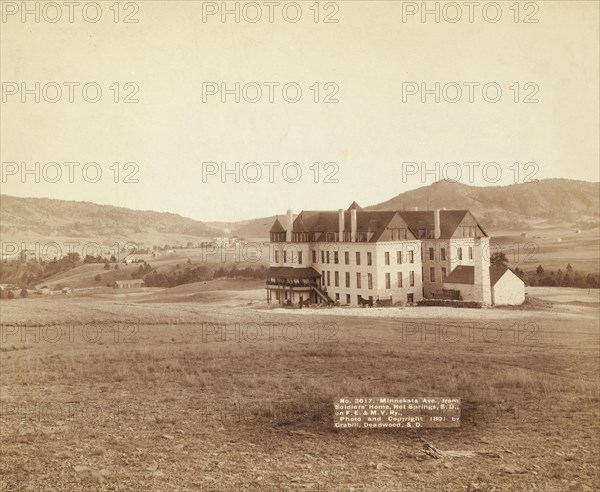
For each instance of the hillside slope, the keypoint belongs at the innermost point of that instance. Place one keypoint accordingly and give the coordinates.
(31, 219)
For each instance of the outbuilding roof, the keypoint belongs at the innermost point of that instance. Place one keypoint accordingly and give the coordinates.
(462, 274)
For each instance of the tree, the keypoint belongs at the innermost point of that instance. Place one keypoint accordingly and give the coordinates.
(569, 268)
(113, 259)
(107, 266)
(117, 266)
(10, 295)
(97, 278)
(539, 270)
(24, 292)
(498, 259)
(189, 261)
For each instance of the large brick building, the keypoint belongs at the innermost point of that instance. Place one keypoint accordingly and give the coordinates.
(355, 256)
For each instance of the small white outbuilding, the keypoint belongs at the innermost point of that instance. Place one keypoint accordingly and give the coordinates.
(507, 287)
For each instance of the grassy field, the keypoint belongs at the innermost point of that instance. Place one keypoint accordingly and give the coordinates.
(205, 387)
(542, 247)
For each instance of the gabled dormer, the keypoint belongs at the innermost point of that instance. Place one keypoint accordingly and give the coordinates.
(277, 232)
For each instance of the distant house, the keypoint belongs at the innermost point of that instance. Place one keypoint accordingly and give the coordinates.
(45, 290)
(67, 290)
(128, 284)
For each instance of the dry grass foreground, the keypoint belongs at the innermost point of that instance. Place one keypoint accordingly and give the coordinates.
(141, 403)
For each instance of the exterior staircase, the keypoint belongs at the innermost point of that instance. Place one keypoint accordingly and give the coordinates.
(323, 295)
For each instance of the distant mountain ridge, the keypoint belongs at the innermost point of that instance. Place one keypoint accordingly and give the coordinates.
(554, 201)
(547, 203)
(47, 218)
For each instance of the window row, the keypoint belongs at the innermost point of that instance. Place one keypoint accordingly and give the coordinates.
(399, 280)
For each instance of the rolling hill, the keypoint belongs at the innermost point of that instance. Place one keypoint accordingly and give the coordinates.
(31, 220)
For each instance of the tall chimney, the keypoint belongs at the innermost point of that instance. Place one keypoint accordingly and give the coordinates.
(341, 224)
(436, 224)
(353, 225)
(288, 226)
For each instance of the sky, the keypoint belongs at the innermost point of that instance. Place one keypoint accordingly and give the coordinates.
(358, 118)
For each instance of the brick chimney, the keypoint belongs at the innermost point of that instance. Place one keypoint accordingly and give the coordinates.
(436, 224)
(289, 225)
(353, 226)
(341, 224)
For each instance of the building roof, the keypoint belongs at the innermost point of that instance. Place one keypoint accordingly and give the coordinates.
(292, 273)
(498, 271)
(376, 222)
(449, 220)
(462, 274)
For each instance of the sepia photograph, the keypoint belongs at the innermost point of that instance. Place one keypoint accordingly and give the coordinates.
(305, 246)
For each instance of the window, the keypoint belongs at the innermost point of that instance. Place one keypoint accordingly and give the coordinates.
(369, 259)
(410, 298)
(443, 274)
(314, 255)
(388, 284)
(399, 257)
(347, 298)
(358, 286)
(399, 279)
(431, 254)
(387, 257)
(358, 299)
(361, 237)
(328, 256)
(470, 252)
(347, 279)
(432, 274)
(443, 253)
(284, 256)
(347, 257)
(460, 253)
(369, 280)
(300, 257)
(337, 298)
(411, 256)
(323, 277)
(358, 257)
(276, 256)
(328, 278)
(411, 278)
(336, 279)
(336, 258)
(322, 256)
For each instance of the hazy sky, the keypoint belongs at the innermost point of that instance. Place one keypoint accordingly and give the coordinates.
(367, 61)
